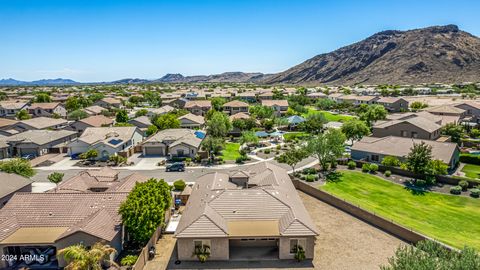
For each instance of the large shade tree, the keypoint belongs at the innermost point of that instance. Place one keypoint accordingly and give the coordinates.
(218, 125)
(144, 210)
(355, 129)
(327, 147)
(419, 158)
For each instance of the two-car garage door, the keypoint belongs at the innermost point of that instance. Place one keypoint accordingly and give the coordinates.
(154, 151)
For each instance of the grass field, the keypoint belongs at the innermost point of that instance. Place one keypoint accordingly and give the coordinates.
(453, 220)
(471, 171)
(230, 151)
(328, 115)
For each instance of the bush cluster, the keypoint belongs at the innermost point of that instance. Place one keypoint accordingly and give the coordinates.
(388, 173)
(463, 184)
(470, 159)
(475, 193)
(372, 167)
(456, 190)
(351, 164)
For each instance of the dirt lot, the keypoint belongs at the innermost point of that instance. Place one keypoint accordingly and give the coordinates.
(346, 242)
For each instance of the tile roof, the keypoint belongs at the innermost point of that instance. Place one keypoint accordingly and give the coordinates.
(198, 103)
(236, 103)
(44, 106)
(4, 122)
(177, 135)
(194, 118)
(39, 137)
(94, 135)
(43, 122)
(215, 201)
(283, 103)
(10, 183)
(97, 120)
(92, 213)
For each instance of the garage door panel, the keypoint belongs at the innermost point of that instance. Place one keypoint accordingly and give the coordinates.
(157, 151)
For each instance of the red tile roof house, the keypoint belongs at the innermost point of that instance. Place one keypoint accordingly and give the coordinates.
(47, 109)
(255, 211)
(84, 209)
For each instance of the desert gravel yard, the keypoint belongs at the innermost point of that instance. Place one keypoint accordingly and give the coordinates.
(346, 242)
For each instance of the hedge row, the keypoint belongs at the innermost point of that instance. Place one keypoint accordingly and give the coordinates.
(470, 158)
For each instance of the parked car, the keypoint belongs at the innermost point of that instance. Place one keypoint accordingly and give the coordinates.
(176, 167)
(29, 156)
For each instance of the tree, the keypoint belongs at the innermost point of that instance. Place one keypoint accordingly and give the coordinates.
(55, 178)
(261, 112)
(217, 103)
(355, 129)
(419, 157)
(77, 115)
(144, 210)
(152, 129)
(418, 105)
(456, 132)
(325, 104)
(89, 155)
(96, 97)
(314, 123)
(77, 102)
(429, 255)
(141, 112)
(391, 161)
(244, 124)
(18, 166)
(249, 137)
(374, 113)
(166, 121)
(79, 258)
(212, 145)
(121, 116)
(23, 115)
(437, 167)
(293, 156)
(327, 147)
(219, 125)
(42, 98)
(153, 98)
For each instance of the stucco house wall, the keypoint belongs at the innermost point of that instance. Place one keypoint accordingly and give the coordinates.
(219, 249)
(396, 130)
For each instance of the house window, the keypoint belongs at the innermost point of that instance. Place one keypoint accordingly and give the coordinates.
(414, 134)
(295, 243)
(404, 133)
(375, 158)
(201, 243)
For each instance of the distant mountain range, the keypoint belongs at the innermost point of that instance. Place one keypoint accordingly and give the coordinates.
(433, 54)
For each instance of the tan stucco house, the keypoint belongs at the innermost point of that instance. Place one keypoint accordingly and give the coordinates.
(254, 210)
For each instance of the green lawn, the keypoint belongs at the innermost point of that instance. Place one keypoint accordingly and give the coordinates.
(471, 171)
(230, 151)
(454, 220)
(328, 115)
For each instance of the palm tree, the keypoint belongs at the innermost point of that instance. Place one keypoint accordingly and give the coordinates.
(79, 258)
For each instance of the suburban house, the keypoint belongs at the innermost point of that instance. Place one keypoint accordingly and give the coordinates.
(37, 142)
(91, 121)
(198, 107)
(99, 180)
(10, 108)
(47, 109)
(447, 110)
(142, 122)
(374, 149)
(6, 127)
(279, 107)
(162, 110)
(109, 103)
(254, 210)
(10, 184)
(176, 142)
(40, 123)
(410, 127)
(43, 223)
(235, 106)
(248, 96)
(192, 121)
(106, 140)
(393, 104)
(472, 110)
(94, 110)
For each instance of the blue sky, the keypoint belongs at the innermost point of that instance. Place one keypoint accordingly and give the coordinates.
(107, 40)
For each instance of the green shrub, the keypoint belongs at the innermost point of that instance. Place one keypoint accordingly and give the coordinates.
(239, 160)
(278, 147)
(129, 260)
(420, 183)
(373, 167)
(391, 161)
(365, 167)
(309, 171)
(388, 173)
(475, 193)
(470, 158)
(463, 184)
(351, 164)
(310, 178)
(456, 190)
(267, 151)
(179, 185)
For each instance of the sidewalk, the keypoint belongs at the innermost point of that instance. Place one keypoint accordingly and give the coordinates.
(164, 250)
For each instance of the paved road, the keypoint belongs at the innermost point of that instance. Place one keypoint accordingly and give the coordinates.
(190, 175)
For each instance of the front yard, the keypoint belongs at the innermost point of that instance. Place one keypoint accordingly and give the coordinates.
(471, 171)
(231, 151)
(450, 219)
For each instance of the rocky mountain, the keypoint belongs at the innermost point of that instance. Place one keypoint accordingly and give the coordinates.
(224, 77)
(44, 82)
(433, 54)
